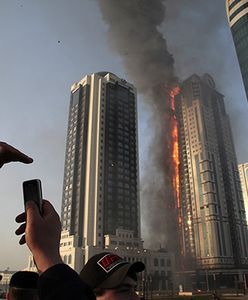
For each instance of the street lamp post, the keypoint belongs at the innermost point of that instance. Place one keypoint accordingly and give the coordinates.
(214, 277)
(207, 283)
(244, 283)
(151, 285)
(206, 273)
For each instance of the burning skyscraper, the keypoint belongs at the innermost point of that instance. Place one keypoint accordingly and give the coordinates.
(213, 226)
(133, 33)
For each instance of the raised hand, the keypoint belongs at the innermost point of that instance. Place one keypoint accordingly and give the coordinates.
(9, 154)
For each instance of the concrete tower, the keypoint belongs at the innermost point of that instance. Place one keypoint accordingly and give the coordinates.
(101, 177)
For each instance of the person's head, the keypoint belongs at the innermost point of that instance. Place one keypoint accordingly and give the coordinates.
(111, 277)
(23, 286)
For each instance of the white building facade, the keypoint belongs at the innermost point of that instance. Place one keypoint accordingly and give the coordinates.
(243, 173)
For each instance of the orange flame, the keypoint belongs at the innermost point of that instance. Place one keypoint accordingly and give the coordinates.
(174, 140)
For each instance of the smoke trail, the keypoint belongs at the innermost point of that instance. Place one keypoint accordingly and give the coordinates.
(133, 33)
(200, 40)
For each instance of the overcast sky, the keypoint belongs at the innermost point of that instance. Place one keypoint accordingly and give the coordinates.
(47, 45)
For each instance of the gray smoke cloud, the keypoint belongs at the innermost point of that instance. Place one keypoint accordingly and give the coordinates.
(133, 33)
(200, 39)
(198, 35)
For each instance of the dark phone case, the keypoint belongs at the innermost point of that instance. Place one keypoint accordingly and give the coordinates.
(32, 192)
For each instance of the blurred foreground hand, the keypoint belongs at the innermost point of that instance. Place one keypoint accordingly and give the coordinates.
(41, 233)
(9, 154)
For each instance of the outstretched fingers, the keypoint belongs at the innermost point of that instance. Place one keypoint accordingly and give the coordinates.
(21, 218)
(22, 240)
(21, 229)
(8, 154)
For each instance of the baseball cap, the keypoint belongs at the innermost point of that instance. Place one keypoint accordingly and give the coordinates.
(107, 270)
(24, 279)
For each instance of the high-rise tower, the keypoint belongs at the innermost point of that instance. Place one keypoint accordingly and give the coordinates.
(101, 176)
(100, 204)
(237, 12)
(213, 229)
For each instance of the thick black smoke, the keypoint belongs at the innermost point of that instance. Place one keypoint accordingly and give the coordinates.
(134, 34)
(199, 37)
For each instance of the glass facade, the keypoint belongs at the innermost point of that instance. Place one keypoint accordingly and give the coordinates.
(240, 37)
(120, 170)
(237, 12)
(74, 172)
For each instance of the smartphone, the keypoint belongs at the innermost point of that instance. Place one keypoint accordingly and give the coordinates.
(32, 192)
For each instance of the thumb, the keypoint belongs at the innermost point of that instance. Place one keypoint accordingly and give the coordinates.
(32, 211)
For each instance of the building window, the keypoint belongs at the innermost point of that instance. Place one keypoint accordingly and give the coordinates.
(155, 262)
(65, 259)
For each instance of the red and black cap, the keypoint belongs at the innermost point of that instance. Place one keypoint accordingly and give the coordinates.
(107, 270)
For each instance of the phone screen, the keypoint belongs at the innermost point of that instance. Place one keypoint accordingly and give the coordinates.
(32, 192)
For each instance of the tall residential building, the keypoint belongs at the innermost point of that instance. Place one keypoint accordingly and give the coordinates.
(100, 204)
(243, 172)
(213, 222)
(101, 176)
(237, 12)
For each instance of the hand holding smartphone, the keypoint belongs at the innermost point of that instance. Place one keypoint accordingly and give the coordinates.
(32, 192)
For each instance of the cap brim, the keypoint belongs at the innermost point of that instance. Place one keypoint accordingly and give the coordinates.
(118, 276)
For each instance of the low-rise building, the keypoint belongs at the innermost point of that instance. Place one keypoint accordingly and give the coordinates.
(158, 275)
(4, 283)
